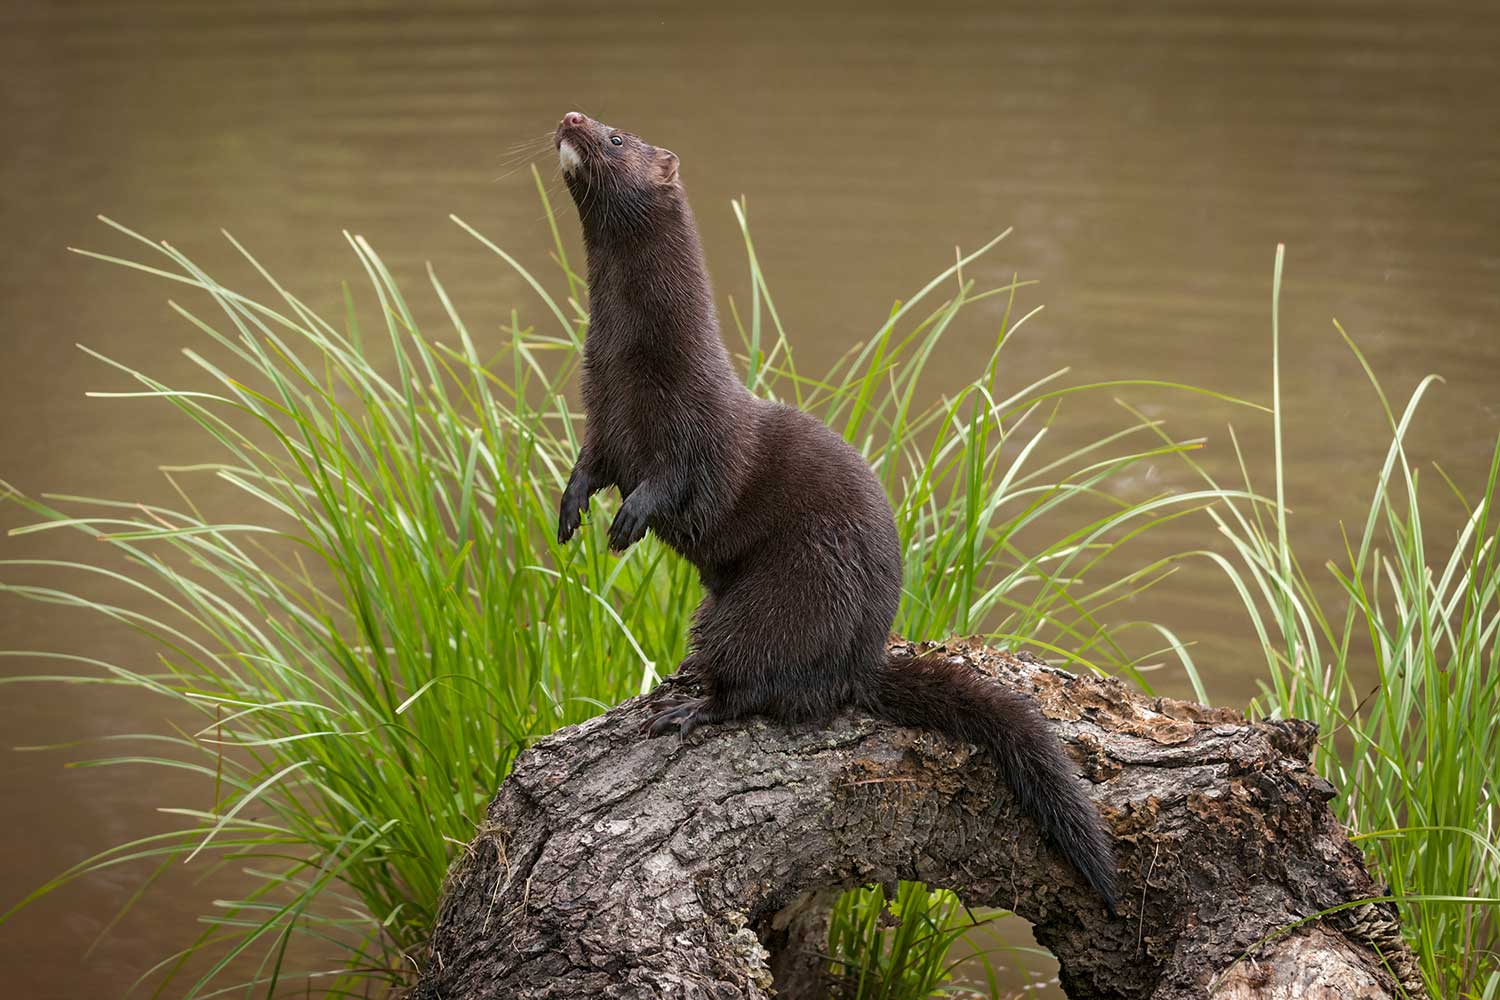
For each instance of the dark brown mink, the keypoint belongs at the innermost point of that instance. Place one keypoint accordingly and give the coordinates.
(788, 526)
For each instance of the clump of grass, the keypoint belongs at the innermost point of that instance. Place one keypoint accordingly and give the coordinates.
(386, 620)
(884, 947)
(1402, 676)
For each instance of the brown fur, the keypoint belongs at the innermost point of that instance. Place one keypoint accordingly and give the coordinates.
(790, 530)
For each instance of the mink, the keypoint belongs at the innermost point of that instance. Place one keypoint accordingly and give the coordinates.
(789, 528)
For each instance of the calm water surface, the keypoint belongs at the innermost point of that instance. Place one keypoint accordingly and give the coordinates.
(1149, 158)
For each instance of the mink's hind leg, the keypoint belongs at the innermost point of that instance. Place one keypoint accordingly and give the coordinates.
(693, 669)
(690, 671)
(679, 710)
(788, 644)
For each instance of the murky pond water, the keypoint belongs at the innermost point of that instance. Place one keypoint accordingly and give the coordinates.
(1150, 158)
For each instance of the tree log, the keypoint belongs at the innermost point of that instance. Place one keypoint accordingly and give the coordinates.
(611, 865)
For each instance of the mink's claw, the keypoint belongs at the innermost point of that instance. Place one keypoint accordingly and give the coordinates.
(662, 701)
(682, 714)
(568, 522)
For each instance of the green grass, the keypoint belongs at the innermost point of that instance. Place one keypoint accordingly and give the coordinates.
(1395, 654)
(381, 620)
(881, 947)
(387, 621)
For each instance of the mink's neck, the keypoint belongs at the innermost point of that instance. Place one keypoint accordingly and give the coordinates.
(648, 285)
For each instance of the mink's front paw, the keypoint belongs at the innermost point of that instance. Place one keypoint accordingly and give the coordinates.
(628, 527)
(575, 503)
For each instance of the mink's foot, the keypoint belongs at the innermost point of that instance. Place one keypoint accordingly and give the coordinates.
(681, 713)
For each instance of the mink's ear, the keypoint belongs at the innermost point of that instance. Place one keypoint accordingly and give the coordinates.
(666, 166)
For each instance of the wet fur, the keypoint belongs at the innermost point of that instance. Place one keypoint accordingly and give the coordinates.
(790, 530)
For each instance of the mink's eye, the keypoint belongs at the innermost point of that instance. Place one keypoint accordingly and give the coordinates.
(617, 140)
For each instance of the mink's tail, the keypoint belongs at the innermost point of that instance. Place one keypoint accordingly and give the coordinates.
(934, 692)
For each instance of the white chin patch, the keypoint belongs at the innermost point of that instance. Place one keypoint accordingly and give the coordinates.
(568, 156)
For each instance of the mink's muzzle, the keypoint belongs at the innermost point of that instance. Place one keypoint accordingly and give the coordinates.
(577, 139)
(577, 128)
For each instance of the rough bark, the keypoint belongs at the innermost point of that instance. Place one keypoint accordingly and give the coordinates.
(615, 866)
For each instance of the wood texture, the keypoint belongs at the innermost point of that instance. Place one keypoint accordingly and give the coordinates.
(615, 866)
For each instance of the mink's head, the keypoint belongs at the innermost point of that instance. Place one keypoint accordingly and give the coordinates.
(613, 173)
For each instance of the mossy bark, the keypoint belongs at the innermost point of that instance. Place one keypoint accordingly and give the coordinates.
(616, 866)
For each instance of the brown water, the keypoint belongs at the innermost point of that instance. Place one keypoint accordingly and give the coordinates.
(1150, 158)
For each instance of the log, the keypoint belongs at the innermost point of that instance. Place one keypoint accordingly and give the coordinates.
(615, 866)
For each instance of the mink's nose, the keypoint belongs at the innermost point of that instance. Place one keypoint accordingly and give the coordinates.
(573, 118)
